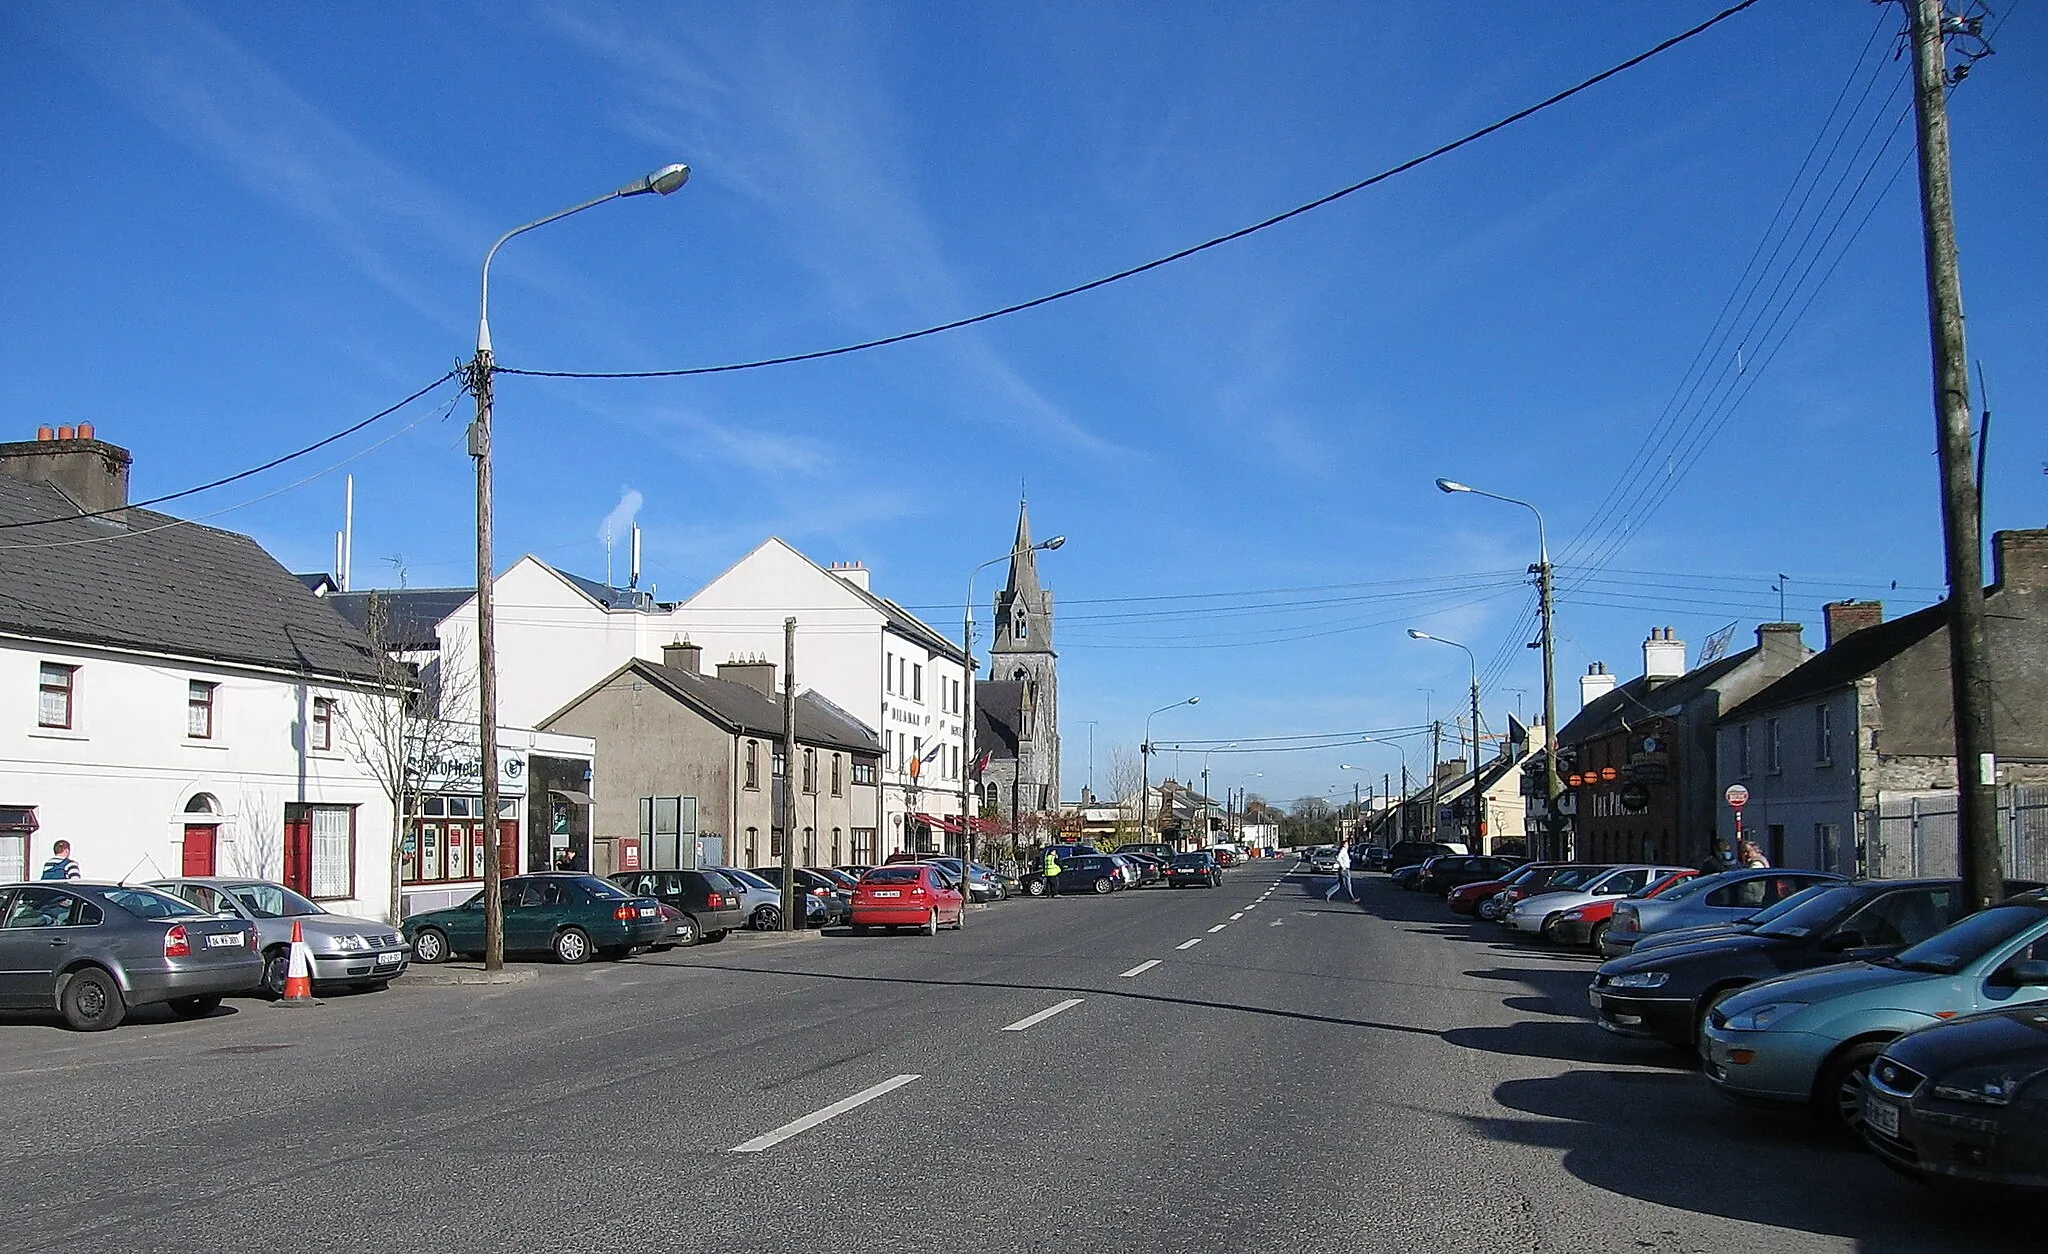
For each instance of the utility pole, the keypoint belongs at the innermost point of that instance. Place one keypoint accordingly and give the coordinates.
(1977, 846)
(792, 915)
(480, 372)
(1478, 844)
(1554, 844)
(1436, 748)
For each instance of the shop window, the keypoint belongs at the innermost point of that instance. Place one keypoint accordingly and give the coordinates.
(56, 695)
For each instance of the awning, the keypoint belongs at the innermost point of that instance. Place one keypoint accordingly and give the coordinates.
(573, 798)
(18, 819)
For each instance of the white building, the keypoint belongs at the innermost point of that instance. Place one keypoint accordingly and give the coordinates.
(173, 695)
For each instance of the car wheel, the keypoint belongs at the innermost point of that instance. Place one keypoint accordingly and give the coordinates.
(686, 931)
(1489, 910)
(712, 938)
(92, 1001)
(931, 923)
(1548, 932)
(1103, 886)
(766, 919)
(572, 945)
(1841, 1085)
(1594, 937)
(430, 946)
(277, 968)
(194, 1007)
(1036, 888)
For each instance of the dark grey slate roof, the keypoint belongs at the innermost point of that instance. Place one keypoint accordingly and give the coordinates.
(146, 580)
(745, 710)
(998, 718)
(319, 582)
(606, 595)
(410, 614)
(1638, 699)
(1851, 658)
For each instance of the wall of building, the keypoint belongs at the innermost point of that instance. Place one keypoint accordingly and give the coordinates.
(653, 746)
(1803, 792)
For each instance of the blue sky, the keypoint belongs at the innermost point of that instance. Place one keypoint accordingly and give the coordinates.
(236, 228)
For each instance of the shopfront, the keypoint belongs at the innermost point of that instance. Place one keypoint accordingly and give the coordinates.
(447, 833)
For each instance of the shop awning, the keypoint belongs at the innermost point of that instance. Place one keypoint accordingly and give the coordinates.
(573, 798)
(18, 819)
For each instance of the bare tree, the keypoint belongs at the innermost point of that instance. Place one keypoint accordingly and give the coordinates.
(258, 843)
(405, 726)
(1126, 781)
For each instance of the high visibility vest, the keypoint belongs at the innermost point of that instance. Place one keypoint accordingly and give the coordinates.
(1052, 865)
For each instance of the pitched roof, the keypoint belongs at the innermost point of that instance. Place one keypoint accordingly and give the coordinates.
(746, 710)
(998, 717)
(603, 593)
(1848, 659)
(144, 580)
(410, 614)
(1639, 699)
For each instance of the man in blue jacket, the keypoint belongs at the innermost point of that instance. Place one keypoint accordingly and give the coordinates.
(60, 866)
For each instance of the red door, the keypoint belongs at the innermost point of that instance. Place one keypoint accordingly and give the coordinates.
(508, 846)
(298, 852)
(199, 843)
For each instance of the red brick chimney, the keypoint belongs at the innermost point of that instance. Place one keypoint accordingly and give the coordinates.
(1846, 618)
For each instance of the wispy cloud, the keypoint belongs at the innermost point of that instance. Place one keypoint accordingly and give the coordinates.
(621, 518)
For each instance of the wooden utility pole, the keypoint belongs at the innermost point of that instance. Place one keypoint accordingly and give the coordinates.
(1977, 846)
(792, 910)
(480, 373)
(1436, 749)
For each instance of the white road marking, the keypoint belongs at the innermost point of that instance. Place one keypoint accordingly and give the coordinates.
(1239, 915)
(1140, 969)
(1277, 923)
(1254, 905)
(836, 1109)
(1047, 1013)
(1219, 927)
(1189, 944)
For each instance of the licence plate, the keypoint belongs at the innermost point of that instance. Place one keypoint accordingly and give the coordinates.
(1882, 1115)
(648, 913)
(1593, 995)
(226, 940)
(887, 892)
(388, 960)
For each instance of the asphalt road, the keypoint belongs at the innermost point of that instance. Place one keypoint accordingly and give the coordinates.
(1309, 1077)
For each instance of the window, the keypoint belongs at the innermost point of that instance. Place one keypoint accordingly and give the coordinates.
(753, 764)
(775, 842)
(837, 787)
(917, 748)
(753, 846)
(953, 758)
(780, 763)
(320, 732)
(1020, 629)
(1823, 735)
(1774, 757)
(199, 709)
(810, 770)
(917, 682)
(888, 672)
(864, 772)
(864, 844)
(334, 852)
(836, 859)
(56, 690)
(1742, 751)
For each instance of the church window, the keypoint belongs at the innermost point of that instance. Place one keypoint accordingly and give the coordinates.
(1019, 627)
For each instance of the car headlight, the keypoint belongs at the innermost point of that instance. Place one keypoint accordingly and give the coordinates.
(1988, 1086)
(1640, 979)
(350, 944)
(1762, 1017)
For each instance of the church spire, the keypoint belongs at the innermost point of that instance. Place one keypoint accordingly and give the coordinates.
(1023, 608)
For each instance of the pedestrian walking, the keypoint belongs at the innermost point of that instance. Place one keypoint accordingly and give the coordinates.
(1343, 879)
(1753, 856)
(60, 866)
(1717, 860)
(1052, 874)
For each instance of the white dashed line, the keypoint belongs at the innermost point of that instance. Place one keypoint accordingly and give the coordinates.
(1189, 944)
(836, 1109)
(1047, 1013)
(1140, 969)
(1219, 927)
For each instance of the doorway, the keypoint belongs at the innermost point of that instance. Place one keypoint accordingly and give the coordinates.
(201, 842)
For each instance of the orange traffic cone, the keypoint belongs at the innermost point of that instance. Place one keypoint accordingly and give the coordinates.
(298, 980)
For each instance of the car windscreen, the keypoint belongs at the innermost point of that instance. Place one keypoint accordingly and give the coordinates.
(1948, 952)
(600, 890)
(1576, 876)
(272, 901)
(147, 903)
(750, 880)
(1811, 914)
(893, 875)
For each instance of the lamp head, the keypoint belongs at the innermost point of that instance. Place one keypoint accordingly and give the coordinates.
(1053, 543)
(1419, 635)
(663, 182)
(1451, 485)
(1193, 701)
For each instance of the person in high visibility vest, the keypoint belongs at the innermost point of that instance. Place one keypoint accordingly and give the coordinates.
(1052, 874)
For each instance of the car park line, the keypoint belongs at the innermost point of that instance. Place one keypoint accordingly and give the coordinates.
(1189, 944)
(1140, 969)
(1030, 1021)
(771, 1139)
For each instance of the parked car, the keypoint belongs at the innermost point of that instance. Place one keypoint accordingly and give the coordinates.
(1584, 924)
(1151, 870)
(1441, 875)
(1468, 899)
(1539, 913)
(1156, 848)
(1664, 993)
(836, 875)
(1407, 877)
(1737, 927)
(564, 913)
(706, 910)
(1709, 899)
(1964, 1102)
(92, 951)
(1079, 872)
(1226, 855)
(359, 953)
(1548, 877)
(1414, 852)
(761, 898)
(1807, 1039)
(907, 895)
(1195, 867)
(987, 886)
(1375, 858)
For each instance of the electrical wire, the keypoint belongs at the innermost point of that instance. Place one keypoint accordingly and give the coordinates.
(1133, 271)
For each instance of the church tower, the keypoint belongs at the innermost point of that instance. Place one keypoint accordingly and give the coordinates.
(1022, 654)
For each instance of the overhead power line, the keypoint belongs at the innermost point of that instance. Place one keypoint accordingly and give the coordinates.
(1181, 255)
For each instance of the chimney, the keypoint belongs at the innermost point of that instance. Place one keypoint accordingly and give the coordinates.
(755, 672)
(1663, 655)
(2019, 558)
(93, 473)
(1782, 646)
(1846, 618)
(684, 656)
(853, 573)
(1596, 683)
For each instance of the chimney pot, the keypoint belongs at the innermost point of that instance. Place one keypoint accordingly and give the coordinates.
(46, 434)
(85, 431)
(67, 433)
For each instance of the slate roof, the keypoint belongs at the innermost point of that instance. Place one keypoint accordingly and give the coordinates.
(410, 614)
(746, 710)
(998, 717)
(144, 580)
(1848, 659)
(604, 594)
(1638, 699)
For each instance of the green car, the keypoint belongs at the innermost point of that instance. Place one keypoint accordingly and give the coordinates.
(568, 915)
(1809, 1038)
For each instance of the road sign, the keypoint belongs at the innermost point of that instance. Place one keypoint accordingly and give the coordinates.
(1738, 796)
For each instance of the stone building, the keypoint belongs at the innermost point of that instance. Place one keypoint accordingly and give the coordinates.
(1017, 707)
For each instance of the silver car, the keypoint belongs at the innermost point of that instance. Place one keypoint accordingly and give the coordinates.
(762, 899)
(1710, 899)
(346, 951)
(90, 951)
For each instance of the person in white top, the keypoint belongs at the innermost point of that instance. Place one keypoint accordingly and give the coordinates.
(1343, 879)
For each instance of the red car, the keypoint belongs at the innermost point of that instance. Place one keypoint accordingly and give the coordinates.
(905, 895)
(1467, 898)
(1585, 925)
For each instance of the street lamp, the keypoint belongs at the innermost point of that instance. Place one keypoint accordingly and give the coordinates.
(967, 721)
(1413, 634)
(662, 182)
(1145, 764)
(1553, 836)
(1205, 787)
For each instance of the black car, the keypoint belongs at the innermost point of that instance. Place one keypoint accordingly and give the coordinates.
(1965, 1102)
(1406, 877)
(1081, 873)
(1664, 994)
(1443, 874)
(1370, 858)
(1155, 848)
(1198, 868)
(1416, 852)
(709, 910)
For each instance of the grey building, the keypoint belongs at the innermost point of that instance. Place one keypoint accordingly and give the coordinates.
(690, 762)
(1017, 709)
(1868, 723)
